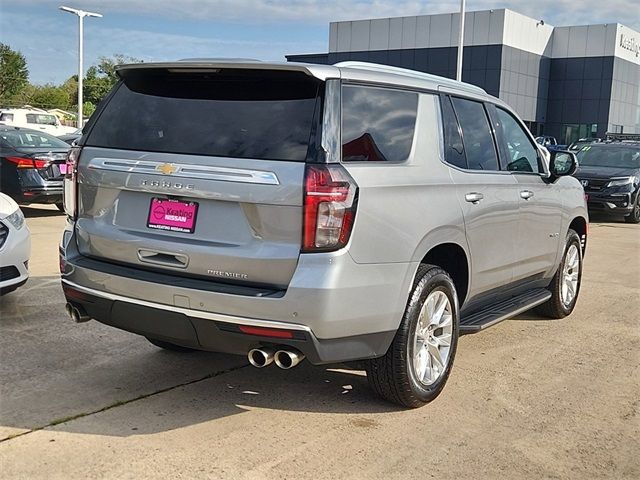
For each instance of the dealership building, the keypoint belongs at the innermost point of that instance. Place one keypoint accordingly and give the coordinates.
(568, 82)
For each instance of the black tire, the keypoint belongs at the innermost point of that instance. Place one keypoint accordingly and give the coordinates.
(555, 307)
(169, 346)
(634, 216)
(60, 206)
(393, 376)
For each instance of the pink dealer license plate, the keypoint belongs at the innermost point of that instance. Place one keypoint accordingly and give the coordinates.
(172, 215)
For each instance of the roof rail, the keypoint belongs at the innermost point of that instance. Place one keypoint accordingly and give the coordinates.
(377, 67)
(218, 59)
(634, 137)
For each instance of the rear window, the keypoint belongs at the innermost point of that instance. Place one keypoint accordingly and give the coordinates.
(41, 119)
(243, 114)
(18, 138)
(377, 123)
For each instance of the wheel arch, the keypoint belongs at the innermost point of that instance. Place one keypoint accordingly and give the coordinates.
(453, 259)
(581, 226)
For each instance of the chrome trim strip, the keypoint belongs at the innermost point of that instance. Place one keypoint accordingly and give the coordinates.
(184, 170)
(189, 312)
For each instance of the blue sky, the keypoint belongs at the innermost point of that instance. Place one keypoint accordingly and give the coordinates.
(263, 29)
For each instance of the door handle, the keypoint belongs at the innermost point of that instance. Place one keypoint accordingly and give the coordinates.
(526, 194)
(473, 197)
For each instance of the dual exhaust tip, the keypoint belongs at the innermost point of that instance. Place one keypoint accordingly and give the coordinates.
(77, 314)
(285, 359)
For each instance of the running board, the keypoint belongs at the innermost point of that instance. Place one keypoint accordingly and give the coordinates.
(503, 310)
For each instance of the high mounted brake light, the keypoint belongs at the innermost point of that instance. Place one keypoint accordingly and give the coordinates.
(330, 201)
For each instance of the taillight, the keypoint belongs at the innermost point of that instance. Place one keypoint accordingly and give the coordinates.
(330, 200)
(28, 162)
(71, 182)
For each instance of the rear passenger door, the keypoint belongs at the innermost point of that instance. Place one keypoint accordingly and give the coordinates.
(488, 196)
(538, 239)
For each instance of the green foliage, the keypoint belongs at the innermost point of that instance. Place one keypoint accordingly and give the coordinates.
(102, 77)
(98, 81)
(14, 74)
(88, 108)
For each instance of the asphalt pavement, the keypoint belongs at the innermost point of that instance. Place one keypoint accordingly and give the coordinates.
(528, 398)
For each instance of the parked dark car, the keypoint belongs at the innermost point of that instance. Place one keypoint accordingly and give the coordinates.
(32, 165)
(577, 145)
(610, 175)
(71, 137)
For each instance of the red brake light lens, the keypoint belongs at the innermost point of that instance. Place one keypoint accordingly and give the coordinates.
(25, 162)
(330, 200)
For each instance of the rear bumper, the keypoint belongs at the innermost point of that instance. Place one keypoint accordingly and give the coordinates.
(40, 195)
(216, 332)
(339, 310)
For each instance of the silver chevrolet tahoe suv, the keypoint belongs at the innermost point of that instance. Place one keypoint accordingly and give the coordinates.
(354, 212)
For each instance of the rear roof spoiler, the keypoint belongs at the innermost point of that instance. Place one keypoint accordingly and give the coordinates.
(321, 72)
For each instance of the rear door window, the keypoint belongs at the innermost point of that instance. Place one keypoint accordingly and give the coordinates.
(242, 114)
(378, 124)
(477, 137)
(6, 117)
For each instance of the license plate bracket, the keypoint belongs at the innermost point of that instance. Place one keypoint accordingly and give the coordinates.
(172, 215)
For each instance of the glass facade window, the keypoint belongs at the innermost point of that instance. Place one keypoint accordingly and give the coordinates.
(572, 132)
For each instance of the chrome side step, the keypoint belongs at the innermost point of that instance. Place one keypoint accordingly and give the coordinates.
(503, 310)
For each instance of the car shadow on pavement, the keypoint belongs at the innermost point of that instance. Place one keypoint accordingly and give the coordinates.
(36, 211)
(53, 370)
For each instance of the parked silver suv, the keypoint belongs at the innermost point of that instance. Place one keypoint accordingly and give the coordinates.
(333, 213)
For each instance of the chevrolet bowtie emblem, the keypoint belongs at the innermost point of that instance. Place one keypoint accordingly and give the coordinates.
(167, 168)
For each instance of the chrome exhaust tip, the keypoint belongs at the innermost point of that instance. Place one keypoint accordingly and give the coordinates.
(260, 357)
(77, 314)
(286, 359)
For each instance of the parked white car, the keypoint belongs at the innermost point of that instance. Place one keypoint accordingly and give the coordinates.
(15, 246)
(35, 119)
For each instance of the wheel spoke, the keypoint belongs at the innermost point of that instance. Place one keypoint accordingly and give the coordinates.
(444, 340)
(443, 301)
(434, 352)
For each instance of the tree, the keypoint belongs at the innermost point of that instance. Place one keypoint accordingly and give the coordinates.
(102, 77)
(49, 96)
(14, 73)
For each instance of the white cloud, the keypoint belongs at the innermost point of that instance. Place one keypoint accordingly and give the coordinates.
(555, 12)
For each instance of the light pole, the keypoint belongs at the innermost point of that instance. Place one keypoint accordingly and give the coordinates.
(81, 14)
(460, 42)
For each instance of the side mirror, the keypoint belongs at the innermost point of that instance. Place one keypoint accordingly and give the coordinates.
(562, 163)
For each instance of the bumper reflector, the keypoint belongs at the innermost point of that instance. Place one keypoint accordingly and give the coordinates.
(266, 332)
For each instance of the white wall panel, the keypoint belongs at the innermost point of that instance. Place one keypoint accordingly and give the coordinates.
(409, 25)
(344, 36)
(596, 40)
(395, 33)
(379, 39)
(577, 41)
(422, 31)
(440, 31)
(560, 42)
(496, 27)
(481, 25)
(333, 37)
(360, 35)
